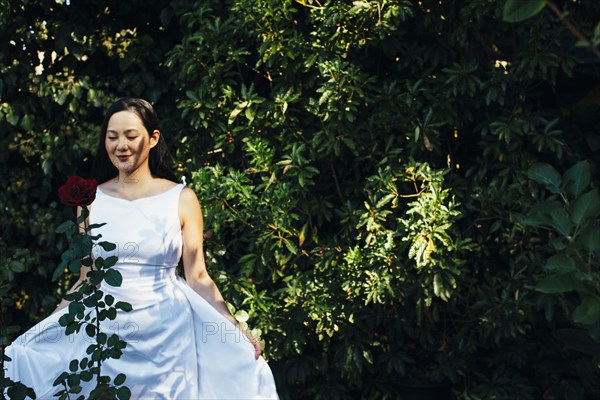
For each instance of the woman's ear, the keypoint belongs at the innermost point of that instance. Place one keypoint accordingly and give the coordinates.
(154, 138)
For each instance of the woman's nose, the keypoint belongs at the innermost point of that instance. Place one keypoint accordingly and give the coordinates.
(122, 144)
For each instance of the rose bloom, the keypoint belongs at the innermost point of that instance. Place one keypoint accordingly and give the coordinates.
(78, 191)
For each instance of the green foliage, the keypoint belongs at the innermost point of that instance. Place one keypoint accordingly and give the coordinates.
(574, 217)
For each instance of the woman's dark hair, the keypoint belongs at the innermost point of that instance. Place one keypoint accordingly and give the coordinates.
(159, 160)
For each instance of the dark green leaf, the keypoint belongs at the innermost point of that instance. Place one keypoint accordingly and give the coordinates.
(107, 246)
(66, 227)
(96, 226)
(590, 239)
(101, 338)
(90, 329)
(121, 305)
(560, 263)
(109, 299)
(586, 206)
(86, 376)
(58, 272)
(546, 174)
(119, 379)
(74, 265)
(113, 277)
(111, 313)
(577, 178)
(16, 266)
(59, 379)
(557, 283)
(31, 393)
(123, 393)
(540, 213)
(17, 392)
(588, 312)
(110, 261)
(84, 214)
(561, 222)
(519, 10)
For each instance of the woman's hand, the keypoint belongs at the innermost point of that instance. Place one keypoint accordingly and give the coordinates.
(256, 345)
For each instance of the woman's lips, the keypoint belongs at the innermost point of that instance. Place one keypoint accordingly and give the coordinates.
(122, 158)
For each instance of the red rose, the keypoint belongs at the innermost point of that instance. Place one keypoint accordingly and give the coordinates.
(78, 191)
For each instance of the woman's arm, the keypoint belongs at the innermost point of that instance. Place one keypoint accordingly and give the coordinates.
(82, 276)
(196, 275)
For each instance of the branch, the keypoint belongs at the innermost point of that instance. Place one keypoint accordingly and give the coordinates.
(574, 30)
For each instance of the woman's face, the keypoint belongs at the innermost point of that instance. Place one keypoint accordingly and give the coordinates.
(127, 141)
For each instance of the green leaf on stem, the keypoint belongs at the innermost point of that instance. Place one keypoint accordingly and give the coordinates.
(73, 365)
(101, 338)
(113, 277)
(90, 329)
(59, 379)
(18, 392)
(86, 376)
(109, 299)
(84, 214)
(107, 246)
(67, 226)
(119, 379)
(123, 393)
(121, 305)
(96, 226)
(111, 313)
(110, 261)
(74, 265)
(58, 272)
(76, 307)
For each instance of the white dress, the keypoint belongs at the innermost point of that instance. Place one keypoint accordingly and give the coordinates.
(178, 345)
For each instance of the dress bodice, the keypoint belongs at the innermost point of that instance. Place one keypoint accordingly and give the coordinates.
(146, 231)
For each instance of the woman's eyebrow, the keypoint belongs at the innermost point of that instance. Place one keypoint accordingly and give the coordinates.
(130, 130)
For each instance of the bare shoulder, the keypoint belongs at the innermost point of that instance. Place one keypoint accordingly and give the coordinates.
(187, 197)
(189, 207)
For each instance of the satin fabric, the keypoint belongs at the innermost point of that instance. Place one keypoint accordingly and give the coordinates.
(178, 345)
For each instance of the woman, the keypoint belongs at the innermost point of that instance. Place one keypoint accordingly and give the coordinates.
(182, 343)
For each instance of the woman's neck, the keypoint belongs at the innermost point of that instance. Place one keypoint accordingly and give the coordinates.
(137, 177)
